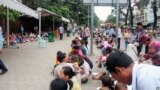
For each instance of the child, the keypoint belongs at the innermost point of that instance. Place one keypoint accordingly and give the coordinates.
(67, 74)
(59, 84)
(56, 60)
(83, 66)
(107, 83)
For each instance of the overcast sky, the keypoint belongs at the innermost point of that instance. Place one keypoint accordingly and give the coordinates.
(103, 12)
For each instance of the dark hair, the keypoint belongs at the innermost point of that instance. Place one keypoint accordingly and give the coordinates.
(107, 82)
(108, 50)
(60, 56)
(58, 84)
(74, 58)
(74, 46)
(139, 23)
(74, 41)
(85, 42)
(118, 59)
(68, 71)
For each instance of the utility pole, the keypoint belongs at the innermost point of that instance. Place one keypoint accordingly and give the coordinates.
(88, 17)
(92, 28)
(117, 19)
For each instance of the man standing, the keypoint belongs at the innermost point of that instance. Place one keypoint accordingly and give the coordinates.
(140, 33)
(61, 31)
(112, 32)
(119, 37)
(140, 76)
(22, 29)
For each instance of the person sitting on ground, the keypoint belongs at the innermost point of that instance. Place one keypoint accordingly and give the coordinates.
(112, 43)
(81, 65)
(107, 83)
(103, 70)
(83, 48)
(63, 61)
(60, 84)
(68, 74)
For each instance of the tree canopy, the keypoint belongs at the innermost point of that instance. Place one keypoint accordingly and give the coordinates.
(71, 9)
(111, 19)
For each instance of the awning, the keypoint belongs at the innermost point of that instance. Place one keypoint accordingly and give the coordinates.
(65, 19)
(15, 5)
(45, 12)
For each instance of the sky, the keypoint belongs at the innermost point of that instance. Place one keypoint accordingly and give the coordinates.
(103, 12)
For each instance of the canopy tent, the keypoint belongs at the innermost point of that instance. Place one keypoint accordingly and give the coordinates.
(65, 19)
(15, 5)
(44, 12)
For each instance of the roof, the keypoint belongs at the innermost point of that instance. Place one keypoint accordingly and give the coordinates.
(15, 5)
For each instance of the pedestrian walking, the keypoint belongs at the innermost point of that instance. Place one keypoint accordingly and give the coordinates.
(61, 31)
(119, 37)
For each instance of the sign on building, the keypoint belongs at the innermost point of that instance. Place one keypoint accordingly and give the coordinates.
(105, 2)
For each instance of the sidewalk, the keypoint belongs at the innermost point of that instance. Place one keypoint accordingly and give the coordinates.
(30, 67)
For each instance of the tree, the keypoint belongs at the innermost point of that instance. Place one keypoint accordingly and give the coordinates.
(13, 15)
(96, 20)
(71, 9)
(141, 4)
(111, 19)
(131, 13)
(154, 6)
(126, 17)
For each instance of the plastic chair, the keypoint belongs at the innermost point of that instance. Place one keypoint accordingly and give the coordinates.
(41, 42)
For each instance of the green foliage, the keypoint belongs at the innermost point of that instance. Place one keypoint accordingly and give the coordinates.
(141, 4)
(71, 9)
(65, 11)
(96, 20)
(13, 15)
(3, 13)
(111, 19)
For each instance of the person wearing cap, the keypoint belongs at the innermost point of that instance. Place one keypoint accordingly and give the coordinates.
(140, 76)
(140, 33)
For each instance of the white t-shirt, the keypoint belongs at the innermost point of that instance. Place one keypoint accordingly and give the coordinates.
(119, 33)
(61, 29)
(145, 77)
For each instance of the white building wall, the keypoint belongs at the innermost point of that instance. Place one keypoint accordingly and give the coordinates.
(150, 16)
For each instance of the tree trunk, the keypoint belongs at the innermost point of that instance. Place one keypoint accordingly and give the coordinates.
(155, 14)
(126, 18)
(131, 14)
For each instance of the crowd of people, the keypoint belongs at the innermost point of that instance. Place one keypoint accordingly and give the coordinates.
(118, 70)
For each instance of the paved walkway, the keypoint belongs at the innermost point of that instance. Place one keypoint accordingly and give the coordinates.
(30, 67)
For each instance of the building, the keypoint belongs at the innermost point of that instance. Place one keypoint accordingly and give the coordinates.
(146, 16)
